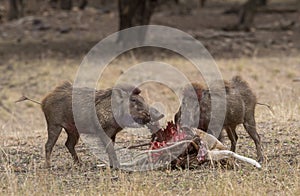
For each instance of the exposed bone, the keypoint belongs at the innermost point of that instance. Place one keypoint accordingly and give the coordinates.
(174, 145)
(215, 151)
(216, 155)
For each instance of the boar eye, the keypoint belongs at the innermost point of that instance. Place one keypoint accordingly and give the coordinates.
(133, 99)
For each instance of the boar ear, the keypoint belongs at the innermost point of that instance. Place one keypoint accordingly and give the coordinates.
(130, 89)
(120, 95)
(136, 91)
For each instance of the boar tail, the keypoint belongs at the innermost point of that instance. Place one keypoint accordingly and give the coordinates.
(24, 98)
(267, 105)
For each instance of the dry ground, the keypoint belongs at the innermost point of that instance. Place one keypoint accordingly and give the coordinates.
(34, 67)
(23, 135)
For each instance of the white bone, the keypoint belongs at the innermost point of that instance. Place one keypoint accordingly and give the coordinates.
(216, 155)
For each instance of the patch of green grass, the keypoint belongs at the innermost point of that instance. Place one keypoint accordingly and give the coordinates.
(290, 75)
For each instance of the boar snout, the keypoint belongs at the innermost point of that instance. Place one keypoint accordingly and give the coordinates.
(143, 118)
(155, 115)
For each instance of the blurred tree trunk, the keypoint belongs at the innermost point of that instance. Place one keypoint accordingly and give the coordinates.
(83, 4)
(13, 12)
(202, 3)
(15, 9)
(53, 3)
(134, 13)
(246, 14)
(262, 2)
(66, 4)
(246, 17)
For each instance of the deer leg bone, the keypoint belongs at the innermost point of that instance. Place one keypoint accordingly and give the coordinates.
(216, 155)
(217, 151)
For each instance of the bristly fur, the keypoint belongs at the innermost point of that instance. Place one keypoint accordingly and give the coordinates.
(240, 108)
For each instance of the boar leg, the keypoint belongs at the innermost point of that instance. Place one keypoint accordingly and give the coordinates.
(53, 134)
(108, 143)
(113, 139)
(232, 136)
(221, 136)
(111, 161)
(250, 127)
(73, 137)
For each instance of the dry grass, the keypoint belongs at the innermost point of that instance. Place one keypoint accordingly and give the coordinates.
(23, 134)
